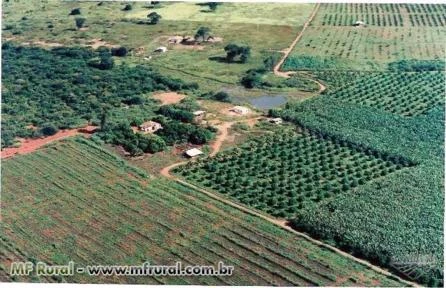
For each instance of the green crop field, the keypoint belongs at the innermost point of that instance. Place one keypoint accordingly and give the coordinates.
(392, 33)
(381, 14)
(75, 201)
(407, 94)
(395, 216)
(280, 174)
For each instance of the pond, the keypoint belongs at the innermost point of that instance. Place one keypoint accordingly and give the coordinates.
(268, 102)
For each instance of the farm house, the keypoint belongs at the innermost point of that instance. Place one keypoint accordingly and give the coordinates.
(240, 110)
(194, 152)
(199, 115)
(150, 126)
(359, 24)
(276, 121)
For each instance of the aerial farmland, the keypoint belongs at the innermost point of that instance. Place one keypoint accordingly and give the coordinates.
(217, 143)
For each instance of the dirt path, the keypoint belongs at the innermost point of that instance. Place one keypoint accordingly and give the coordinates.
(286, 52)
(30, 145)
(223, 130)
(221, 137)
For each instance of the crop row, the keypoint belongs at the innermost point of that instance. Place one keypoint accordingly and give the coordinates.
(407, 94)
(381, 15)
(74, 201)
(283, 174)
(335, 47)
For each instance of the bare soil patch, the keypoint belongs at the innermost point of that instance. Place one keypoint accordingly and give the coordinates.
(98, 42)
(30, 145)
(169, 97)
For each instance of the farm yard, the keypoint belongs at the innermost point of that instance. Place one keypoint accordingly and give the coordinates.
(108, 217)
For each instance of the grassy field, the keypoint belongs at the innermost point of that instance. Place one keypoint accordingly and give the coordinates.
(264, 27)
(331, 42)
(75, 201)
(287, 14)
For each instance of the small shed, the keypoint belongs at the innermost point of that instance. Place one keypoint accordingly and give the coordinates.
(161, 49)
(150, 126)
(276, 120)
(240, 110)
(359, 23)
(194, 152)
(199, 115)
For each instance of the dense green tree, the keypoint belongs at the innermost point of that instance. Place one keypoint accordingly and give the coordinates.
(233, 51)
(203, 33)
(75, 11)
(127, 7)
(154, 18)
(48, 130)
(79, 22)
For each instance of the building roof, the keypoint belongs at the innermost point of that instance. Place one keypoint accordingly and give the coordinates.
(199, 112)
(276, 119)
(161, 48)
(193, 152)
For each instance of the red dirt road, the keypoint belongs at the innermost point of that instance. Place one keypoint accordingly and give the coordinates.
(30, 145)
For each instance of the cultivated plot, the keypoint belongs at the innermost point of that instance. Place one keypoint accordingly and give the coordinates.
(369, 36)
(406, 94)
(281, 174)
(75, 201)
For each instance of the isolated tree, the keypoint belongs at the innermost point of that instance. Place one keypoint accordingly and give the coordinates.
(233, 50)
(75, 11)
(127, 7)
(154, 18)
(48, 130)
(203, 33)
(119, 52)
(221, 96)
(79, 22)
(213, 5)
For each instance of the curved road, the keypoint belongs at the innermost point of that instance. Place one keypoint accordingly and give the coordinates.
(286, 52)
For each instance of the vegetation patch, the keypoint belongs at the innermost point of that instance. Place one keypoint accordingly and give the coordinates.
(69, 87)
(392, 218)
(406, 94)
(280, 174)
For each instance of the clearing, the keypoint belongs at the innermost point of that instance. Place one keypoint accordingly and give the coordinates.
(168, 97)
(31, 145)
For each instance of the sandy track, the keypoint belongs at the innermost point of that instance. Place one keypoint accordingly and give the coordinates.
(286, 52)
(30, 145)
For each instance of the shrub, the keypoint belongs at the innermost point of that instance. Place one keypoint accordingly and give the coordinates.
(75, 11)
(48, 130)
